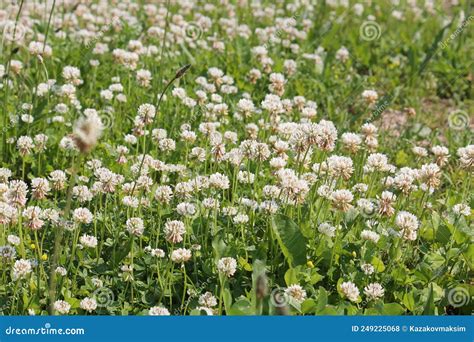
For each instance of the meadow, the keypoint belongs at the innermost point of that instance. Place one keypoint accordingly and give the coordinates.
(302, 157)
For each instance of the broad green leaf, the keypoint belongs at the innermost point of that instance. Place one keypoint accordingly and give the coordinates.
(315, 277)
(227, 299)
(245, 265)
(409, 301)
(290, 239)
(378, 264)
(291, 276)
(219, 247)
(120, 253)
(322, 299)
(443, 234)
(393, 309)
(429, 308)
(242, 307)
(308, 306)
(196, 312)
(372, 312)
(469, 256)
(328, 311)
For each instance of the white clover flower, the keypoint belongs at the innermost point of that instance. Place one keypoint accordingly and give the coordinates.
(350, 291)
(158, 311)
(174, 231)
(88, 304)
(227, 266)
(208, 300)
(21, 269)
(62, 307)
(374, 291)
(368, 269)
(462, 209)
(327, 229)
(181, 255)
(14, 240)
(88, 241)
(135, 226)
(61, 271)
(370, 235)
(296, 292)
(82, 215)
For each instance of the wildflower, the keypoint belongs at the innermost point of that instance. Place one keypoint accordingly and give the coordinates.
(13, 239)
(88, 241)
(219, 181)
(40, 188)
(82, 215)
(87, 132)
(376, 162)
(368, 269)
(227, 266)
(326, 229)
(174, 231)
(208, 300)
(351, 142)
(157, 252)
(158, 311)
(374, 291)
(58, 179)
(144, 77)
(245, 177)
(370, 235)
(420, 151)
(25, 145)
(343, 55)
(296, 292)
(350, 291)
(340, 166)
(181, 255)
(88, 304)
(342, 199)
(430, 174)
(163, 194)
(72, 75)
(62, 306)
(135, 226)
(408, 224)
(387, 199)
(370, 96)
(5, 174)
(21, 269)
(186, 209)
(32, 216)
(61, 271)
(466, 157)
(462, 209)
(277, 84)
(82, 193)
(441, 154)
(240, 219)
(7, 253)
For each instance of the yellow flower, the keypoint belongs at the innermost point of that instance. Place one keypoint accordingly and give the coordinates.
(354, 254)
(33, 246)
(310, 264)
(44, 257)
